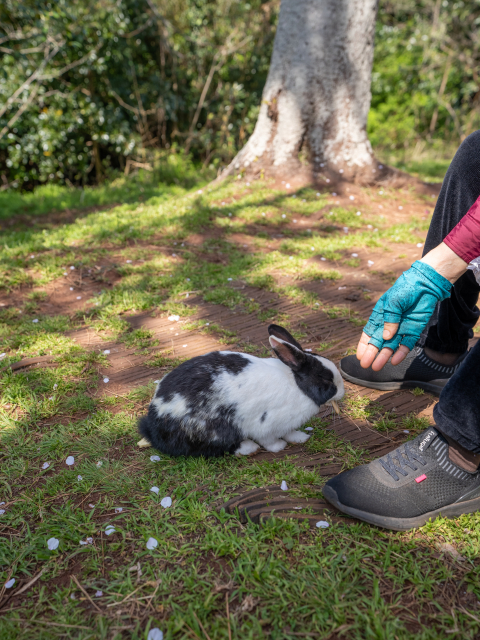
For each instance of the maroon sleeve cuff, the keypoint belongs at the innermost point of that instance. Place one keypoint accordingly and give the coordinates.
(464, 239)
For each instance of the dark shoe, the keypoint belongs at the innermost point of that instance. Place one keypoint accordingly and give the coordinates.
(417, 370)
(408, 487)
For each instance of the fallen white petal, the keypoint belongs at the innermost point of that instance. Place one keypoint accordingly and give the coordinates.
(72, 268)
(155, 634)
(45, 465)
(36, 320)
(352, 197)
(340, 288)
(308, 428)
(79, 478)
(99, 463)
(166, 502)
(295, 221)
(322, 524)
(334, 194)
(51, 398)
(72, 596)
(184, 345)
(400, 207)
(419, 244)
(283, 215)
(345, 229)
(2, 355)
(307, 349)
(287, 186)
(91, 505)
(154, 458)
(380, 166)
(152, 543)
(79, 297)
(207, 324)
(71, 288)
(406, 431)
(98, 594)
(65, 273)
(328, 180)
(55, 385)
(90, 540)
(129, 261)
(109, 530)
(323, 259)
(354, 255)
(52, 543)
(284, 486)
(359, 213)
(83, 542)
(155, 490)
(106, 352)
(229, 279)
(106, 380)
(370, 262)
(156, 381)
(174, 318)
(2, 511)
(9, 584)
(118, 509)
(70, 460)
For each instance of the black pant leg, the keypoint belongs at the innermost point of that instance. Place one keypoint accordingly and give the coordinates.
(452, 324)
(457, 413)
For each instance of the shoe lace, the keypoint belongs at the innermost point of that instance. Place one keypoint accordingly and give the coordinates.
(404, 458)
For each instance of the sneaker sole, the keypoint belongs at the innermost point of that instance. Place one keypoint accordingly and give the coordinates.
(434, 386)
(403, 524)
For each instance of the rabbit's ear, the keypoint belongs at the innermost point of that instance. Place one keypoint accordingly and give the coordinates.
(279, 332)
(288, 353)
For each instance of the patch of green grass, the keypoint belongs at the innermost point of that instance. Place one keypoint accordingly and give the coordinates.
(415, 423)
(281, 580)
(212, 328)
(139, 338)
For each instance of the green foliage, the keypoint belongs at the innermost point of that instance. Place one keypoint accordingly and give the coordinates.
(425, 83)
(117, 78)
(99, 87)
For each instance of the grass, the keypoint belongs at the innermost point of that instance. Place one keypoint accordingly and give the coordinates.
(209, 576)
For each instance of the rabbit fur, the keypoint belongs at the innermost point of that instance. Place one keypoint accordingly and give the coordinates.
(228, 402)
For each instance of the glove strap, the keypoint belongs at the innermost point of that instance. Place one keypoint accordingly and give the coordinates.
(442, 285)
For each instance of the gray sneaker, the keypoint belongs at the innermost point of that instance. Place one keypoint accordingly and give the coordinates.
(408, 487)
(417, 370)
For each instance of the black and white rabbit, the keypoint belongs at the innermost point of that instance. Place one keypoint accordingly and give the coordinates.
(227, 402)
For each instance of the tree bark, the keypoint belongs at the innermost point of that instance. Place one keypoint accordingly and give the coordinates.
(317, 95)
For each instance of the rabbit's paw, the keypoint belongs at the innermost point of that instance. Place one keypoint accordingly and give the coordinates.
(246, 448)
(296, 436)
(274, 445)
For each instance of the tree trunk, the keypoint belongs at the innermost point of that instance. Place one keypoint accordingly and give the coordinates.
(317, 95)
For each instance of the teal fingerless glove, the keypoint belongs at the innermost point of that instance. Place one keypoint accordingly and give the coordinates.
(410, 302)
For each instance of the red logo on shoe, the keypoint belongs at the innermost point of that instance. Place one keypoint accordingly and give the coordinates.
(421, 478)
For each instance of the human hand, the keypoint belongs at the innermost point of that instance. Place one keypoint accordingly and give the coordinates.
(400, 316)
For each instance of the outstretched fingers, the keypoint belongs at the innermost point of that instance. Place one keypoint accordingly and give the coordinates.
(371, 356)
